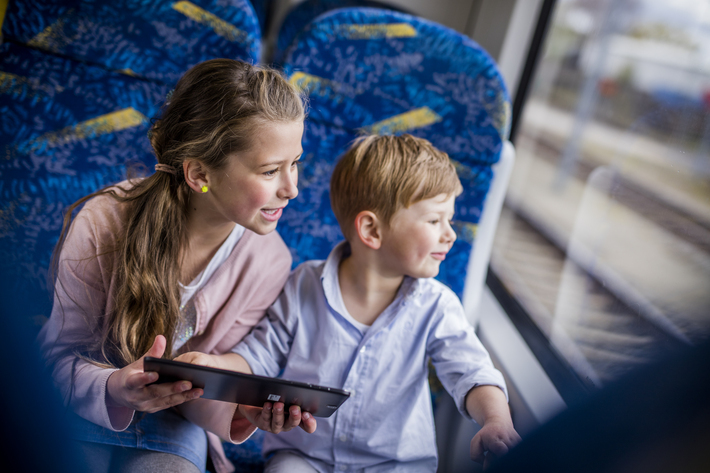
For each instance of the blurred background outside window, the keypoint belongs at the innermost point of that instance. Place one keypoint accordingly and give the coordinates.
(605, 236)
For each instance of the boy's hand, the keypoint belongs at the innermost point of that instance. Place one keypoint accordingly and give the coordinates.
(202, 359)
(271, 418)
(493, 440)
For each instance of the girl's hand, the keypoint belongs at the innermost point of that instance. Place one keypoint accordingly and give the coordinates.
(127, 387)
(271, 418)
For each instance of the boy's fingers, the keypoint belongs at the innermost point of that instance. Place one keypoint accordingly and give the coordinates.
(477, 449)
(308, 422)
(498, 448)
(294, 418)
(277, 417)
(265, 417)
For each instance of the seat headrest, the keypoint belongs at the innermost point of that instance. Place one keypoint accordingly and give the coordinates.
(389, 72)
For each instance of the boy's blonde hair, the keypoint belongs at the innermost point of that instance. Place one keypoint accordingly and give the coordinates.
(383, 174)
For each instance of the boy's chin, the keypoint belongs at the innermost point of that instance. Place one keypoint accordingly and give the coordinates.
(424, 274)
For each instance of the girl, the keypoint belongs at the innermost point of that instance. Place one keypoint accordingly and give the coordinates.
(183, 260)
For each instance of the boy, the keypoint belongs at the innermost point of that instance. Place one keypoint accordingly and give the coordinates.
(370, 317)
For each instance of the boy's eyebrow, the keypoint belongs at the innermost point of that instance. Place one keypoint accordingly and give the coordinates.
(278, 162)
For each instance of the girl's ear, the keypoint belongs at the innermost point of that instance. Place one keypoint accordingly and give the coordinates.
(369, 229)
(195, 175)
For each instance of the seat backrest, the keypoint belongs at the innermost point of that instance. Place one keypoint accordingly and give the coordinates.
(305, 12)
(382, 71)
(68, 129)
(157, 40)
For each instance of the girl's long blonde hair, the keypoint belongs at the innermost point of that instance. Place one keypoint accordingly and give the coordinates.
(213, 112)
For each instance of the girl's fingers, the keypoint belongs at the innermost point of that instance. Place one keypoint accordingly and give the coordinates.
(173, 400)
(140, 379)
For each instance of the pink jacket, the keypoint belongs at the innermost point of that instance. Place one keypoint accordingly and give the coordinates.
(228, 306)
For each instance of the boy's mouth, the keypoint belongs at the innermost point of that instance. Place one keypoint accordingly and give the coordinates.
(272, 214)
(439, 256)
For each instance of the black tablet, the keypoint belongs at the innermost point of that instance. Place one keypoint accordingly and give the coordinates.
(249, 389)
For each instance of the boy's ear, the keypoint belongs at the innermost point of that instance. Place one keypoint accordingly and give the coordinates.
(195, 175)
(369, 229)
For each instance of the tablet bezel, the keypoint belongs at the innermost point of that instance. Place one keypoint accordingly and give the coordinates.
(249, 389)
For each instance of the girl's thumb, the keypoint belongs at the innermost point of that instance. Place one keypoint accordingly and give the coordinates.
(158, 348)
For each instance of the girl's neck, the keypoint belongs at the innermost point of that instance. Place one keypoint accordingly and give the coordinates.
(366, 291)
(204, 237)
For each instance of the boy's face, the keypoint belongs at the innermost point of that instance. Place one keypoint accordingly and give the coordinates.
(419, 237)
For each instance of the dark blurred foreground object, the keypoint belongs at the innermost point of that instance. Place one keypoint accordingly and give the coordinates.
(654, 420)
(35, 432)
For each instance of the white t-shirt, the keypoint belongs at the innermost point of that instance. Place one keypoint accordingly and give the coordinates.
(186, 325)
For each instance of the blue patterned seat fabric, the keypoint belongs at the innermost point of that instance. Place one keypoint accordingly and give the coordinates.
(67, 129)
(153, 39)
(303, 13)
(380, 71)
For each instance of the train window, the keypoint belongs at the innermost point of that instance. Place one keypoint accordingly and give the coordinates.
(604, 240)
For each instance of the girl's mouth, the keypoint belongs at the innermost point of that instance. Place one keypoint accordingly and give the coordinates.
(271, 214)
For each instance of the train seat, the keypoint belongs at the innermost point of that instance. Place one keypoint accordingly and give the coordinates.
(303, 13)
(157, 40)
(68, 129)
(380, 71)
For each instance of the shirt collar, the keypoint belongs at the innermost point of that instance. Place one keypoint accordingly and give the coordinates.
(409, 289)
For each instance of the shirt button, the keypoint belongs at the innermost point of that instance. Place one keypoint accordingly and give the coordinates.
(343, 438)
(363, 349)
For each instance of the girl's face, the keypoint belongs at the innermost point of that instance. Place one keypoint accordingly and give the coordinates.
(257, 184)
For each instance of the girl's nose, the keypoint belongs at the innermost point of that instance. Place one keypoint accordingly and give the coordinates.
(289, 185)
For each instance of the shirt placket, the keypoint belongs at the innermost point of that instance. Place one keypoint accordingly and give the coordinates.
(345, 427)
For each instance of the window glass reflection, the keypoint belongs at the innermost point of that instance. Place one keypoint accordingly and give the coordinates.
(605, 237)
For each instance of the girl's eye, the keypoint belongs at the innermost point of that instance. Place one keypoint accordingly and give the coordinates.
(295, 163)
(270, 173)
(434, 222)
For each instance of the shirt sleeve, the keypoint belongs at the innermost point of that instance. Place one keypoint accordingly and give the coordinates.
(267, 346)
(79, 302)
(460, 359)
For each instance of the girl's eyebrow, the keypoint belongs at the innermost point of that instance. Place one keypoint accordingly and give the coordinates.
(273, 163)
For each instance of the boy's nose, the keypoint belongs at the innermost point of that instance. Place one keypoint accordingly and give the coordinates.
(449, 235)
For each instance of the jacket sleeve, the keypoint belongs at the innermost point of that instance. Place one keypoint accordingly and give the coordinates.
(79, 303)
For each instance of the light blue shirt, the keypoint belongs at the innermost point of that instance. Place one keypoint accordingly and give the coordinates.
(387, 424)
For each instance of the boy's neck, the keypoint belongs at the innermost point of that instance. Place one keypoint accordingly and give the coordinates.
(366, 290)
